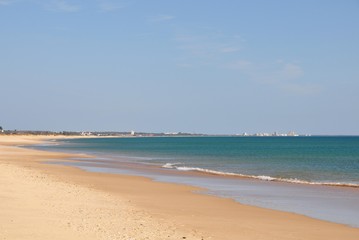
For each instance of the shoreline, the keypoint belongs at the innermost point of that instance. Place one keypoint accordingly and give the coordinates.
(195, 215)
(195, 171)
(182, 168)
(309, 200)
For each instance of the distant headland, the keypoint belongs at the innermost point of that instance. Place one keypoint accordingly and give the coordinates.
(139, 134)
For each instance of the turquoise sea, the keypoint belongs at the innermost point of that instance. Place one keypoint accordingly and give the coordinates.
(314, 176)
(315, 160)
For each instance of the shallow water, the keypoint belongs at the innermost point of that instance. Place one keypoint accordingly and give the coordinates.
(310, 160)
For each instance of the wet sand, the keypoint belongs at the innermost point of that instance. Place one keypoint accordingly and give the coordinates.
(43, 201)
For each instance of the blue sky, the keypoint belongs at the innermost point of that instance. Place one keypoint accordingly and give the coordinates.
(179, 65)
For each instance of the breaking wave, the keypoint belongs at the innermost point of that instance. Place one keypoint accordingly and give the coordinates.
(259, 177)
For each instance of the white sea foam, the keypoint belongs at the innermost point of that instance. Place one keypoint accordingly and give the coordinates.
(266, 178)
(259, 177)
(170, 165)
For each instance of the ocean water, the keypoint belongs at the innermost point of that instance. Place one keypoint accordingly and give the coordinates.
(310, 160)
(314, 176)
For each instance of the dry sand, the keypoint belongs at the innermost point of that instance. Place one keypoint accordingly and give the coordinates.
(45, 201)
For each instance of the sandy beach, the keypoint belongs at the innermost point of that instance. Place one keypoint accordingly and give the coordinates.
(47, 201)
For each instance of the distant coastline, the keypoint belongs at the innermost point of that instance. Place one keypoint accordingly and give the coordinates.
(154, 134)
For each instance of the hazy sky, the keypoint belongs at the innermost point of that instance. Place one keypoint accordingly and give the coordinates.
(205, 66)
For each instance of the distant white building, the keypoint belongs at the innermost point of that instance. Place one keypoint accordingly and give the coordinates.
(171, 133)
(133, 133)
(292, 134)
(86, 133)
